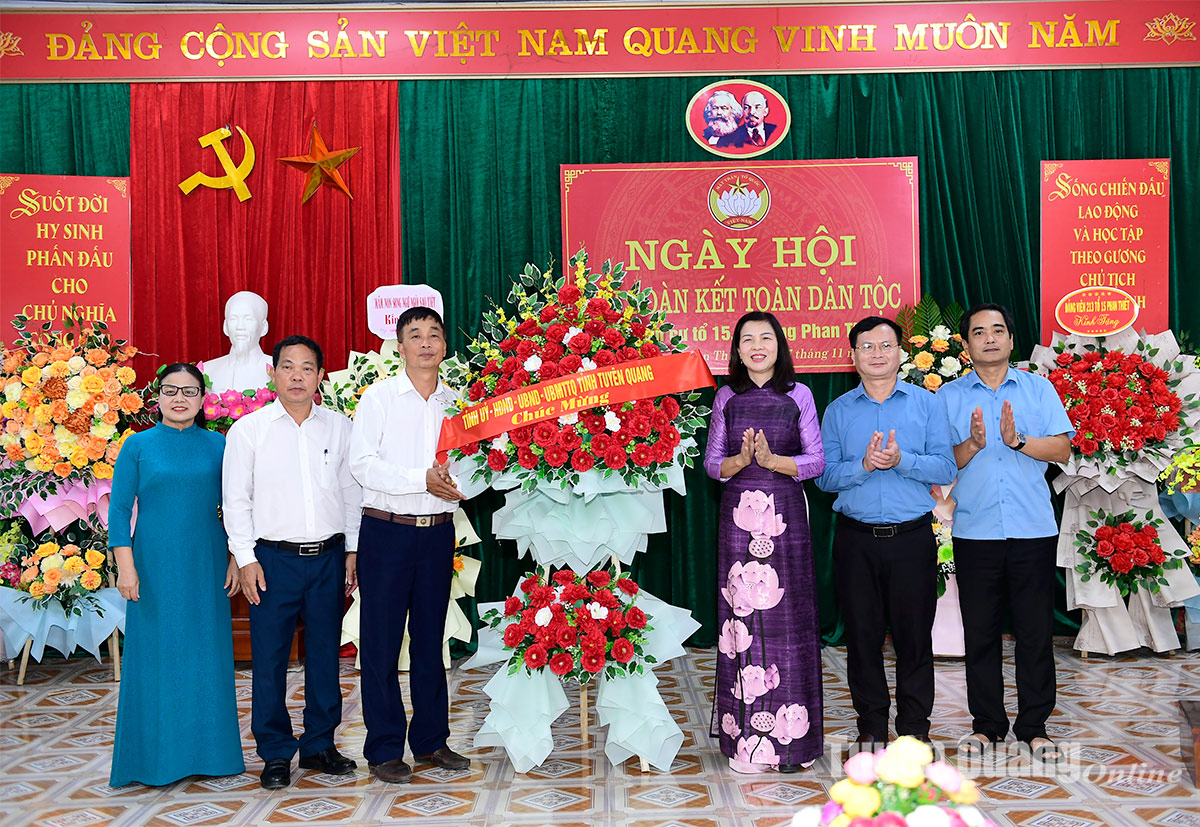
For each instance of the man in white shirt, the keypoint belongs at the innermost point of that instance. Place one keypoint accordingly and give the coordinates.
(406, 552)
(291, 511)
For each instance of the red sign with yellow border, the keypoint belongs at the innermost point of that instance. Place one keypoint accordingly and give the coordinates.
(820, 244)
(486, 40)
(1105, 253)
(65, 251)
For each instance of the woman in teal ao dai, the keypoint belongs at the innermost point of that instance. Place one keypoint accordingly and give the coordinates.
(176, 714)
(763, 441)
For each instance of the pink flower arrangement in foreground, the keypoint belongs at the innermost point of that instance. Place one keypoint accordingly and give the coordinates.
(902, 786)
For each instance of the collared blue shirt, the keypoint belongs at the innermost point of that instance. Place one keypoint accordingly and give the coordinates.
(1001, 493)
(897, 494)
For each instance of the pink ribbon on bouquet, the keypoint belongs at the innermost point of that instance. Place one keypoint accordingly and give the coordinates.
(73, 502)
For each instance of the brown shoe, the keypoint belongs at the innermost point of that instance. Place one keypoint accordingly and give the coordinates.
(445, 758)
(393, 772)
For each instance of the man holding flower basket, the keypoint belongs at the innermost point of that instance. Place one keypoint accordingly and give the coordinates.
(407, 552)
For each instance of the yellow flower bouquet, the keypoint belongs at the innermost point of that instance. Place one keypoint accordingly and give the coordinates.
(66, 573)
(902, 785)
(934, 353)
(67, 403)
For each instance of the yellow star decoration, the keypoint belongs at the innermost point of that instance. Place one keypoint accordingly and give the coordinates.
(321, 166)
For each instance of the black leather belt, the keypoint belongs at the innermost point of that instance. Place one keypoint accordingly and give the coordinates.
(307, 549)
(418, 520)
(889, 529)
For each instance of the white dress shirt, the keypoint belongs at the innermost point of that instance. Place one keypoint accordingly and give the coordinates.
(394, 444)
(283, 481)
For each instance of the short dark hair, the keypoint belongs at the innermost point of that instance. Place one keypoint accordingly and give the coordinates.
(192, 371)
(964, 324)
(416, 314)
(296, 339)
(870, 323)
(784, 377)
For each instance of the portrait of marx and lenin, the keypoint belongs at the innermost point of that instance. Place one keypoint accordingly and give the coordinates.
(737, 118)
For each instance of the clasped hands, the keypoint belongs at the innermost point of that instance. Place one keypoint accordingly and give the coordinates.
(881, 455)
(755, 448)
(439, 484)
(1008, 427)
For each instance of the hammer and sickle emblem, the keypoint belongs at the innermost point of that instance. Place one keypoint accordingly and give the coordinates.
(234, 176)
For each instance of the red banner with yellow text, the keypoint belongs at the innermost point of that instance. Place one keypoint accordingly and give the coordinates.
(820, 244)
(65, 252)
(1105, 253)
(654, 39)
(613, 385)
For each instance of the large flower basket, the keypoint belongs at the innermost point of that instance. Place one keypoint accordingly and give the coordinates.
(1133, 401)
(529, 695)
(605, 390)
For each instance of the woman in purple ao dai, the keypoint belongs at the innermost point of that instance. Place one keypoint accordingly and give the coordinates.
(763, 441)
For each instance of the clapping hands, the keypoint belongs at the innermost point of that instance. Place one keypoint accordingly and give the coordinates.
(880, 454)
(755, 449)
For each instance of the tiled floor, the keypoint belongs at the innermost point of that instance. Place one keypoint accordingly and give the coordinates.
(1118, 716)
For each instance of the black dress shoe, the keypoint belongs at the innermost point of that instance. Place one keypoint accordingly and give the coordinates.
(867, 743)
(445, 758)
(790, 767)
(328, 761)
(393, 772)
(276, 774)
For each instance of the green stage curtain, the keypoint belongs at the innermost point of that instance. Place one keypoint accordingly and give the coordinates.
(483, 199)
(65, 129)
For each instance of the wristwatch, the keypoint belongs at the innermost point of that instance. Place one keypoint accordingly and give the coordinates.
(1021, 440)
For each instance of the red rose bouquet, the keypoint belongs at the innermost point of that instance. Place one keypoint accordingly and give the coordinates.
(576, 626)
(1124, 552)
(567, 325)
(1119, 403)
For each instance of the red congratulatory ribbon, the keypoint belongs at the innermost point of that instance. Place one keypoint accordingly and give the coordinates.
(612, 385)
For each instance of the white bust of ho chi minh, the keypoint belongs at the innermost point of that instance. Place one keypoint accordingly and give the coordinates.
(245, 367)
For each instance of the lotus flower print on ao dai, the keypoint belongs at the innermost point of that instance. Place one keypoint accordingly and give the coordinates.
(755, 514)
(752, 587)
(791, 722)
(735, 638)
(756, 750)
(754, 682)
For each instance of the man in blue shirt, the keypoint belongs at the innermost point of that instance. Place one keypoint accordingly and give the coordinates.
(1007, 425)
(886, 443)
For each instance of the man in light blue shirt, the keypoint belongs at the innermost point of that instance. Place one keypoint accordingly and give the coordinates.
(886, 443)
(1007, 425)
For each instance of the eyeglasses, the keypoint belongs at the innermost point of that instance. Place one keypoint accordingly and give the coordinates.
(882, 347)
(190, 391)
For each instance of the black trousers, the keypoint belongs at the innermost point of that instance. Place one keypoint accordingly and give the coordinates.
(404, 574)
(1017, 575)
(884, 581)
(313, 588)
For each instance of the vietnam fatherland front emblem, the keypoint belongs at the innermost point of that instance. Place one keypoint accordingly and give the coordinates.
(739, 199)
